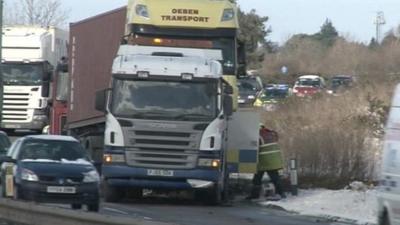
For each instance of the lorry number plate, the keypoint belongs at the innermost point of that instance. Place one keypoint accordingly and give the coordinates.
(163, 173)
(60, 189)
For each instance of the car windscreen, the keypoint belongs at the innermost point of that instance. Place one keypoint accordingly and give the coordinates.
(247, 85)
(274, 93)
(341, 81)
(51, 150)
(309, 82)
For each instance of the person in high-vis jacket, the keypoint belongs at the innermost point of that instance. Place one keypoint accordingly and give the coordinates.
(270, 160)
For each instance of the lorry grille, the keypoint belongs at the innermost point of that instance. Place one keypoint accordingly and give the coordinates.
(163, 149)
(15, 107)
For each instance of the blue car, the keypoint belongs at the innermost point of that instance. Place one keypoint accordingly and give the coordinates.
(51, 169)
(271, 95)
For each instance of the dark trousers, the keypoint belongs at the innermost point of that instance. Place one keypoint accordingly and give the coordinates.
(275, 179)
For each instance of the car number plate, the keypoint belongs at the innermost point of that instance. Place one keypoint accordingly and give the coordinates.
(61, 189)
(12, 126)
(163, 173)
(241, 100)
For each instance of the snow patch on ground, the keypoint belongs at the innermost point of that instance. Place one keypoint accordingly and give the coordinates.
(359, 206)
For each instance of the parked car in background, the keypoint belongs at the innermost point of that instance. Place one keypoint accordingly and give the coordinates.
(340, 82)
(308, 85)
(50, 168)
(249, 88)
(271, 95)
(4, 143)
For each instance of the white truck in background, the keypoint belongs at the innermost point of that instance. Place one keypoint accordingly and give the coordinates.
(28, 57)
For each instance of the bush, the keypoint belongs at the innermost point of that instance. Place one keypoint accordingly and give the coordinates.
(334, 138)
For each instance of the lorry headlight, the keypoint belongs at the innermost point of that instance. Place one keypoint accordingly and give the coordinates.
(28, 175)
(228, 14)
(141, 10)
(215, 163)
(91, 177)
(113, 158)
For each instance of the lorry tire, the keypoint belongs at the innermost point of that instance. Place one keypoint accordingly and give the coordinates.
(94, 207)
(112, 194)
(76, 206)
(214, 195)
(135, 193)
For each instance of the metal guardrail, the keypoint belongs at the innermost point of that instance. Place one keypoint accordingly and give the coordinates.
(34, 214)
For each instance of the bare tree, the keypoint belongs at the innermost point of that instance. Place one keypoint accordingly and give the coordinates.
(36, 12)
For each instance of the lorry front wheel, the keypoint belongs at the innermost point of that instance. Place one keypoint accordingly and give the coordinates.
(94, 207)
(215, 195)
(112, 194)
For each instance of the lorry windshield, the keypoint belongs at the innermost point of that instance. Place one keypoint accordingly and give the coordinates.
(22, 74)
(226, 45)
(164, 100)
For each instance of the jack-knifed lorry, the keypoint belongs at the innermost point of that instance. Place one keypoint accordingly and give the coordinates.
(157, 116)
(29, 55)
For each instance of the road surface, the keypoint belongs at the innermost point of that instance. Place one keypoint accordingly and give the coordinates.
(187, 212)
(184, 211)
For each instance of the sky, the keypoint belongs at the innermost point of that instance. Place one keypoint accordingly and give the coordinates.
(353, 19)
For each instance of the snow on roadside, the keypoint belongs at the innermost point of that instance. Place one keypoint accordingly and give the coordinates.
(359, 206)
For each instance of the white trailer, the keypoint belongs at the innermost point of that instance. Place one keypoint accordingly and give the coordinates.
(29, 56)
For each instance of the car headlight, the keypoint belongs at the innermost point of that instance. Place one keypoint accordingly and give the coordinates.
(91, 177)
(141, 10)
(28, 175)
(228, 15)
(251, 97)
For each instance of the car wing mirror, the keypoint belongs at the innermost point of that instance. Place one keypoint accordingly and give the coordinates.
(7, 159)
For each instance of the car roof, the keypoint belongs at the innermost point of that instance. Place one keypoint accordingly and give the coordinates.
(343, 76)
(309, 77)
(51, 137)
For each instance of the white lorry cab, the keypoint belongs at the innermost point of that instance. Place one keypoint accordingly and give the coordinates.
(29, 55)
(166, 124)
(389, 191)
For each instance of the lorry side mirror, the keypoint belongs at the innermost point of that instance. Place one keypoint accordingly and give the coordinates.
(228, 90)
(46, 89)
(241, 70)
(101, 98)
(228, 105)
(7, 159)
(48, 72)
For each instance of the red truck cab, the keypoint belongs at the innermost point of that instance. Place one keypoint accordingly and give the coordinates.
(60, 87)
